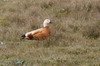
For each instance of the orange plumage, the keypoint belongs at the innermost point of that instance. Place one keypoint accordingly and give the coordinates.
(41, 33)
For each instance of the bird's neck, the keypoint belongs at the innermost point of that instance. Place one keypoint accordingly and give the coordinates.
(45, 24)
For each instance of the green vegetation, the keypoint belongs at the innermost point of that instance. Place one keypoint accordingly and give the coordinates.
(75, 38)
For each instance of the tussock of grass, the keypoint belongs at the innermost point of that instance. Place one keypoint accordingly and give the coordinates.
(92, 31)
(47, 5)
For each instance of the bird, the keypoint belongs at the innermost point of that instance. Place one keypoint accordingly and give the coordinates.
(41, 33)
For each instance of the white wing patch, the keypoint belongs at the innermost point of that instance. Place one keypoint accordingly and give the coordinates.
(32, 32)
(28, 33)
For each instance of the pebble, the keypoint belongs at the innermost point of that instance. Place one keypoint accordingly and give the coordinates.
(1, 43)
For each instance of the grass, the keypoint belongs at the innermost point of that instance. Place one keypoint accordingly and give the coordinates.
(75, 38)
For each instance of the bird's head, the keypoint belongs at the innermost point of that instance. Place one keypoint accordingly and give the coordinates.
(47, 21)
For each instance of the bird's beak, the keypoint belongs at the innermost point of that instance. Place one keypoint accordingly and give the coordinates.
(50, 22)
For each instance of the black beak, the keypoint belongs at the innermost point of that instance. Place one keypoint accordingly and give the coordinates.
(50, 22)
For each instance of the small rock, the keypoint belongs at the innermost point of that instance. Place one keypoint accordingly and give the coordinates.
(1, 43)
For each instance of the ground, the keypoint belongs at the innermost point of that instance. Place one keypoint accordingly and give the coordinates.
(75, 37)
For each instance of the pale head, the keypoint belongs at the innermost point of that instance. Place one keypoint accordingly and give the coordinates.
(46, 21)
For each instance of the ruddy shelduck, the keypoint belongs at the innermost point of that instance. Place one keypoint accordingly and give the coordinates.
(38, 34)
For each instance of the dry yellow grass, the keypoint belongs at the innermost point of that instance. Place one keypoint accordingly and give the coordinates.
(75, 38)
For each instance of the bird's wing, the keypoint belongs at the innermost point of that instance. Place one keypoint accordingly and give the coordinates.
(41, 33)
(37, 31)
